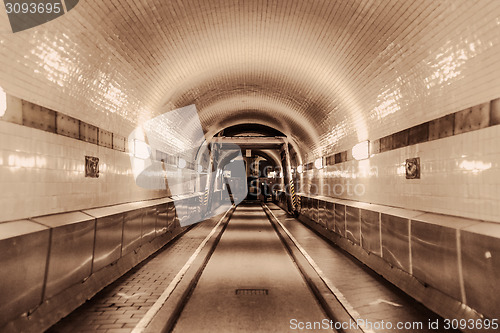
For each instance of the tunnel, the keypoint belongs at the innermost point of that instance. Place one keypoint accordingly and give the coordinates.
(249, 166)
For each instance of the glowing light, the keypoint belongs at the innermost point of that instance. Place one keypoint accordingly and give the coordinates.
(401, 170)
(300, 168)
(3, 102)
(361, 151)
(181, 164)
(21, 162)
(141, 149)
(200, 168)
(474, 166)
(318, 163)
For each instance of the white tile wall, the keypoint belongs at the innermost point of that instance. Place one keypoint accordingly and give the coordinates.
(327, 73)
(44, 173)
(460, 175)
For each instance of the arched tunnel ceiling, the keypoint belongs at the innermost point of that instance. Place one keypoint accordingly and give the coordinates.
(326, 73)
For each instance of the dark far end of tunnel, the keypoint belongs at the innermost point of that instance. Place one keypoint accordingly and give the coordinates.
(38, 12)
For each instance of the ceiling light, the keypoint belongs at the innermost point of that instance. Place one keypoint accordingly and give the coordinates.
(181, 164)
(3, 102)
(361, 151)
(141, 149)
(319, 163)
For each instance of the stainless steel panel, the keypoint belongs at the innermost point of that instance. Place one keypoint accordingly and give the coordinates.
(322, 213)
(132, 234)
(68, 126)
(395, 241)
(434, 256)
(353, 225)
(108, 240)
(171, 217)
(24, 246)
(305, 206)
(310, 205)
(180, 210)
(161, 226)
(149, 223)
(481, 272)
(314, 212)
(330, 216)
(71, 250)
(370, 231)
(340, 219)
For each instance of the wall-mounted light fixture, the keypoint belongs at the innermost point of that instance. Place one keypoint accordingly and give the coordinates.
(300, 168)
(361, 151)
(141, 149)
(181, 164)
(319, 163)
(3, 102)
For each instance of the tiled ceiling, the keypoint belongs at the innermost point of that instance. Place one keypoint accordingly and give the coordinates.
(326, 73)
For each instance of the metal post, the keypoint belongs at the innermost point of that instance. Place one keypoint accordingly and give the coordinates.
(290, 192)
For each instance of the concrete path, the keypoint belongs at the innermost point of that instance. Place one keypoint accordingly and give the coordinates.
(250, 284)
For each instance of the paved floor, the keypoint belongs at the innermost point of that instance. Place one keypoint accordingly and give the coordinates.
(120, 306)
(368, 293)
(250, 258)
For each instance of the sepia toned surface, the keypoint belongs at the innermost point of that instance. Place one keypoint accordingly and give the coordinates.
(373, 125)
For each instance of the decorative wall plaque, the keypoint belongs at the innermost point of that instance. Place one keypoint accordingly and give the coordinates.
(413, 168)
(91, 167)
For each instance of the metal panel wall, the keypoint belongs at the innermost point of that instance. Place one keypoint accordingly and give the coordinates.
(149, 223)
(353, 226)
(132, 234)
(370, 231)
(314, 208)
(24, 246)
(305, 206)
(340, 219)
(89, 133)
(71, 250)
(108, 240)
(395, 241)
(68, 126)
(434, 257)
(162, 219)
(39, 117)
(172, 221)
(481, 269)
(322, 213)
(105, 138)
(330, 215)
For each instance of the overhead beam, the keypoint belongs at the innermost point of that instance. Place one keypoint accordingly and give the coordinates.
(255, 142)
